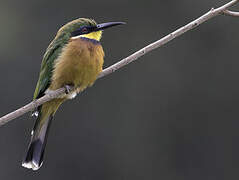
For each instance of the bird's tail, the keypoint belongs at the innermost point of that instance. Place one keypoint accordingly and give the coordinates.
(34, 157)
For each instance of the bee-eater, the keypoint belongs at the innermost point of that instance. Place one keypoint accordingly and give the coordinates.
(74, 58)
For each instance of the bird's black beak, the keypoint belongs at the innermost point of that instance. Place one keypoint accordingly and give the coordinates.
(103, 26)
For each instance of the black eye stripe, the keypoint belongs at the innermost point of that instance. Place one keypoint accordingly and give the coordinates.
(76, 33)
(83, 30)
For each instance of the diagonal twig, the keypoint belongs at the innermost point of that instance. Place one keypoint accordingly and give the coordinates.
(230, 13)
(212, 13)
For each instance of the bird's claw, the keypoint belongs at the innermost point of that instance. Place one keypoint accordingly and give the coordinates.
(68, 89)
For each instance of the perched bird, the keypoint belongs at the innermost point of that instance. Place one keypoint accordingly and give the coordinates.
(74, 58)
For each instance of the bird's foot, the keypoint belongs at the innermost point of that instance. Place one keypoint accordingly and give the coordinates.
(68, 89)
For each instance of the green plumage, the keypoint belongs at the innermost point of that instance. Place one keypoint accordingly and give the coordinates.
(51, 55)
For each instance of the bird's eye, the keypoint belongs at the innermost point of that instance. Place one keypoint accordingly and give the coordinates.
(84, 30)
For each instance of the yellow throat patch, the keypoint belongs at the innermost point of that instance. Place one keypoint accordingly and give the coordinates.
(93, 35)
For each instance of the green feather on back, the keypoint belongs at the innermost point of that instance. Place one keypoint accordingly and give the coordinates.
(47, 65)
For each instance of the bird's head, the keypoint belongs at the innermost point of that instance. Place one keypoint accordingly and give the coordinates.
(84, 27)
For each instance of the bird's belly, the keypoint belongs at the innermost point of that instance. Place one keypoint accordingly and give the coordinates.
(79, 65)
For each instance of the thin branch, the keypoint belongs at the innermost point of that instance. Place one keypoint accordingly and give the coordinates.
(212, 13)
(31, 106)
(230, 13)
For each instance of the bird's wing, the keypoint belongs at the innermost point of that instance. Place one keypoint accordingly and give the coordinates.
(52, 53)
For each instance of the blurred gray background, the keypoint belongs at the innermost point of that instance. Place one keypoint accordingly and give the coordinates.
(172, 115)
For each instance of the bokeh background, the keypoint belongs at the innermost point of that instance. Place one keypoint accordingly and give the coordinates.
(172, 115)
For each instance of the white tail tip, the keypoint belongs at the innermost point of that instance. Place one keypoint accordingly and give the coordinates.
(31, 165)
